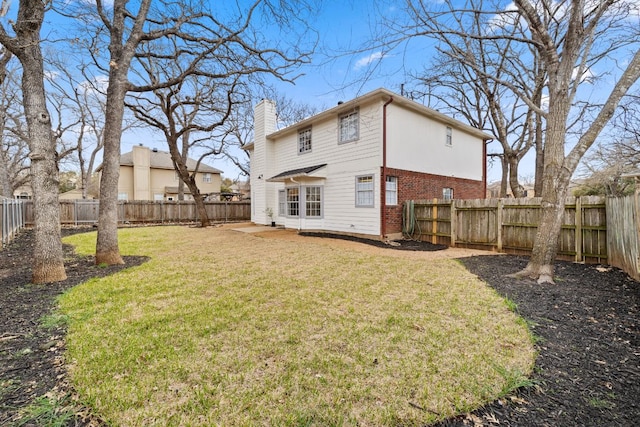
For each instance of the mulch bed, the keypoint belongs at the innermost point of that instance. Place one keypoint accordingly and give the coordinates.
(32, 356)
(587, 327)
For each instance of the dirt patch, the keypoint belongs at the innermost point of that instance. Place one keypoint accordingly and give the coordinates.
(587, 326)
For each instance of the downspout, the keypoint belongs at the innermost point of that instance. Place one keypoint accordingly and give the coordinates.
(484, 167)
(383, 179)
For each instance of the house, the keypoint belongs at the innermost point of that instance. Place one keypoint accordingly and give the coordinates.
(23, 192)
(350, 168)
(148, 174)
(493, 190)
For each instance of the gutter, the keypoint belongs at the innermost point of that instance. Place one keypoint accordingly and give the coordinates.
(383, 179)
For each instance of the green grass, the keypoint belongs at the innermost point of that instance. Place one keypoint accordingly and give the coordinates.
(46, 411)
(224, 328)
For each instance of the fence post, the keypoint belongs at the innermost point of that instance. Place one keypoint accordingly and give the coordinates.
(499, 225)
(434, 222)
(454, 223)
(578, 231)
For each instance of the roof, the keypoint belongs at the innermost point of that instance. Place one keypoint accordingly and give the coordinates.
(162, 160)
(307, 172)
(383, 95)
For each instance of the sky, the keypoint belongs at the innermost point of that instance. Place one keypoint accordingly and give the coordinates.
(340, 69)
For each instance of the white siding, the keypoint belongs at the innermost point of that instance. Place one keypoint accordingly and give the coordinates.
(344, 163)
(261, 163)
(417, 144)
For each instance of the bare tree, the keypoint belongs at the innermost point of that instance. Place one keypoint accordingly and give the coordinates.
(48, 263)
(239, 127)
(188, 115)
(126, 29)
(617, 154)
(457, 83)
(14, 150)
(572, 41)
(79, 103)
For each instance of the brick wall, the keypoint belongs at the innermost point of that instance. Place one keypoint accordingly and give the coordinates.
(420, 186)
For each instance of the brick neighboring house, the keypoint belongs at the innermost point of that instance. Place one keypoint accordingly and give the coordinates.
(350, 168)
(148, 174)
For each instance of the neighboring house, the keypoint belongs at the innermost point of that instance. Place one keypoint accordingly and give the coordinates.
(148, 174)
(23, 192)
(349, 169)
(493, 190)
(75, 194)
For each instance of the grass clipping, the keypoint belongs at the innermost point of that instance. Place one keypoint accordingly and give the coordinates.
(224, 328)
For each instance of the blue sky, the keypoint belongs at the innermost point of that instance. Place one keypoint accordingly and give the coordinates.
(340, 69)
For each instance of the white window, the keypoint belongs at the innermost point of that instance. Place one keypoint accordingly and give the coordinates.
(206, 177)
(293, 201)
(391, 191)
(364, 191)
(304, 141)
(176, 176)
(447, 193)
(282, 203)
(313, 199)
(123, 196)
(449, 141)
(349, 126)
(158, 197)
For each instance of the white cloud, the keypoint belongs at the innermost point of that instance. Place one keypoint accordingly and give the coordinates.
(367, 60)
(98, 85)
(586, 77)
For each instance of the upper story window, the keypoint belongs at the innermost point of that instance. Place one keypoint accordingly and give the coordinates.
(304, 140)
(447, 193)
(364, 191)
(206, 177)
(449, 141)
(349, 127)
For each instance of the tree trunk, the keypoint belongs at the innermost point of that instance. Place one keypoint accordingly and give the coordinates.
(6, 188)
(554, 192)
(48, 261)
(202, 211)
(107, 250)
(514, 184)
(537, 186)
(190, 181)
(184, 155)
(505, 176)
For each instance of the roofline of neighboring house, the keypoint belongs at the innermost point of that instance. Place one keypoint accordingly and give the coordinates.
(203, 168)
(384, 95)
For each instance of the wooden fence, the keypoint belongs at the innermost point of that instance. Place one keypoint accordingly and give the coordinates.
(623, 223)
(509, 225)
(85, 212)
(11, 219)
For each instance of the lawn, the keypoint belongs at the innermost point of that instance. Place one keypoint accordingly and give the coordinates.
(226, 328)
